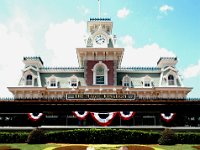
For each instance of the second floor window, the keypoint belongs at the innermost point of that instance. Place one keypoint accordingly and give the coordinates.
(53, 83)
(147, 83)
(100, 75)
(29, 80)
(171, 80)
(74, 82)
(126, 81)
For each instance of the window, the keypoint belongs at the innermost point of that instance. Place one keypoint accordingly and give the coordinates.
(126, 81)
(74, 81)
(53, 83)
(100, 74)
(170, 80)
(29, 79)
(147, 82)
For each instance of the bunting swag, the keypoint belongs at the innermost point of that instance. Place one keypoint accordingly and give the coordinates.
(103, 121)
(124, 116)
(80, 116)
(167, 117)
(35, 116)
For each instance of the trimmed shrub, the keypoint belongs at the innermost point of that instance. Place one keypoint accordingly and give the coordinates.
(168, 137)
(13, 137)
(37, 136)
(98, 136)
(103, 136)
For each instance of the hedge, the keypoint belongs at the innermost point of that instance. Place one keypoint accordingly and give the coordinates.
(100, 136)
(13, 137)
(103, 136)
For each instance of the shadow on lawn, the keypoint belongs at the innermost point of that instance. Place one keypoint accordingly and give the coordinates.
(8, 148)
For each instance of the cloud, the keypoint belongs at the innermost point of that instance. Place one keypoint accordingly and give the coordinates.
(127, 40)
(63, 39)
(192, 71)
(16, 42)
(122, 13)
(83, 10)
(166, 8)
(144, 56)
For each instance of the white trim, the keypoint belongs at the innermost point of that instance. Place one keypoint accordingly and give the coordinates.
(30, 67)
(147, 79)
(175, 78)
(128, 79)
(28, 72)
(49, 80)
(161, 78)
(170, 68)
(70, 82)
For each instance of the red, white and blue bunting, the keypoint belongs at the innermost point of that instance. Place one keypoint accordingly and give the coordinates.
(103, 121)
(35, 116)
(80, 115)
(167, 117)
(128, 116)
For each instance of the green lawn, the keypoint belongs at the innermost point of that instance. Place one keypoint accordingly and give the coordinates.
(176, 147)
(97, 146)
(30, 146)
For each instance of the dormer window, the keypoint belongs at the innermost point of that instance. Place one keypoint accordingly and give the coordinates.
(147, 81)
(53, 83)
(29, 80)
(126, 81)
(171, 80)
(74, 81)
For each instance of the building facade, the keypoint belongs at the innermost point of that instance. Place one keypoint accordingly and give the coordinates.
(100, 73)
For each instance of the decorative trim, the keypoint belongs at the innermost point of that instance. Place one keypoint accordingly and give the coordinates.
(100, 63)
(125, 79)
(80, 116)
(106, 121)
(168, 118)
(127, 117)
(32, 117)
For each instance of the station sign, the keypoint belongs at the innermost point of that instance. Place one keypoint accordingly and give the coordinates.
(101, 96)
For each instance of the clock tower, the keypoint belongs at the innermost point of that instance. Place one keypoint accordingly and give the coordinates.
(100, 59)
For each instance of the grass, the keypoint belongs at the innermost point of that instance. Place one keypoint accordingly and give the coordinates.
(30, 146)
(97, 146)
(175, 147)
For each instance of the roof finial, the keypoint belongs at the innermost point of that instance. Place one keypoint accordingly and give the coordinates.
(99, 3)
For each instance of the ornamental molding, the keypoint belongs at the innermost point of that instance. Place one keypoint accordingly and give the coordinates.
(29, 72)
(169, 68)
(29, 68)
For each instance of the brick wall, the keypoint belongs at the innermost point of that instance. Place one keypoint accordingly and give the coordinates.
(89, 73)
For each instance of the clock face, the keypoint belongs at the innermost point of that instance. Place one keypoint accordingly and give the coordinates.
(100, 39)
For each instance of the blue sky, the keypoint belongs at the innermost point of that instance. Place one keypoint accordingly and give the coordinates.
(147, 29)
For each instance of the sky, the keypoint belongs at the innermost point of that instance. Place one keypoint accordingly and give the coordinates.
(147, 29)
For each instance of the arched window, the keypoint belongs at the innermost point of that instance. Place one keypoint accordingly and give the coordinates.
(29, 80)
(171, 80)
(126, 81)
(74, 81)
(100, 77)
(100, 74)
